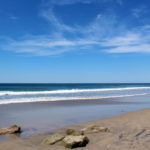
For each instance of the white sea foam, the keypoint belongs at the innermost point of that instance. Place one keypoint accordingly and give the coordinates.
(4, 93)
(46, 99)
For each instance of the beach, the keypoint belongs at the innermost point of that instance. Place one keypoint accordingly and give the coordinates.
(125, 115)
(40, 117)
(127, 131)
(75, 74)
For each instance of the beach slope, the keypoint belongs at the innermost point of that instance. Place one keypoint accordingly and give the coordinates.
(129, 131)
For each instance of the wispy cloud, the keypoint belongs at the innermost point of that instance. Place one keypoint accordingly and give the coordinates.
(119, 2)
(44, 45)
(140, 11)
(135, 41)
(89, 37)
(58, 24)
(13, 17)
(105, 33)
(139, 48)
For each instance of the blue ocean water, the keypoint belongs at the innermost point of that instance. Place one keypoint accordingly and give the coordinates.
(21, 93)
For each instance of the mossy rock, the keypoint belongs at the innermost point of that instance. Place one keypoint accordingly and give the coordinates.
(71, 141)
(73, 132)
(94, 129)
(53, 139)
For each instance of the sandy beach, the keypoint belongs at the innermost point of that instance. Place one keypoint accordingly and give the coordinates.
(41, 117)
(127, 131)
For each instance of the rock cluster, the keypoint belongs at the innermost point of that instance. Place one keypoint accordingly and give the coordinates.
(74, 138)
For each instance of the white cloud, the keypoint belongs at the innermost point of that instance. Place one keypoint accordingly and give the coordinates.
(140, 48)
(135, 41)
(128, 39)
(44, 45)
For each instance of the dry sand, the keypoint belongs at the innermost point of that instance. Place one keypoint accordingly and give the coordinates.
(129, 131)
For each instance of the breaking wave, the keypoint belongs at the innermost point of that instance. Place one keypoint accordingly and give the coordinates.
(47, 99)
(4, 93)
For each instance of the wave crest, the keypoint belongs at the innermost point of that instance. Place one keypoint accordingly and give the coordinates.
(4, 93)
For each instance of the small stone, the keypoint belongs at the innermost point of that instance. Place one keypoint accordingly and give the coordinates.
(71, 141)
(53, 139)
(94, 129)
(73, 132)
(10, 130)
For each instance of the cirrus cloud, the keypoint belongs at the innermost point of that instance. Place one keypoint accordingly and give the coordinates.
(105, 33)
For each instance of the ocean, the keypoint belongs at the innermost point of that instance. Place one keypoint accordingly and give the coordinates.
(23, 93)
(39, 108)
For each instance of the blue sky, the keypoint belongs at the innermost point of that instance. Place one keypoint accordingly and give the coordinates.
(74, 41)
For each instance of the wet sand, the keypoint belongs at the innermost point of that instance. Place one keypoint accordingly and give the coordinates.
(41, 117)
(49, 117)
(130, 131)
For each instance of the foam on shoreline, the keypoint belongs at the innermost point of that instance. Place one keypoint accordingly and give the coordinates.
(46, 99)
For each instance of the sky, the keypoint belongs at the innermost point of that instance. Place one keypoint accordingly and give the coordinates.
(74, 41)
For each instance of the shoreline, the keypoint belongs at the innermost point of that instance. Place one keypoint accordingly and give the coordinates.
(127, 131)
(40, 117)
